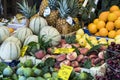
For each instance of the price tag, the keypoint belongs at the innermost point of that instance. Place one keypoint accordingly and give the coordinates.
(23, 50)
(64, 72)
(70, 21)
(47, 12)
(63, 50)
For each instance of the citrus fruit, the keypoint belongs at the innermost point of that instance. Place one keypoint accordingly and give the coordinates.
(100, 24)
(80, 32)
(78, 37)
(118, 32)
(112, 17)
(110, 26)
(104, 15)
(96, 21)
(117, 23)
(92, 28)
(114, 8)
(112, 34)
(118, 18)
(103, 32)
(11, 30)
(97, 34)
(117, 13)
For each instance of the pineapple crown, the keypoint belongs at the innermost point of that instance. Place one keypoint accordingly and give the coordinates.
(26, 10)
(68, 8)
(53, 4)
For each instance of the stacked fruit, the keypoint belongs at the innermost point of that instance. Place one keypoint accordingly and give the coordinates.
(107, 24)
(83, 39)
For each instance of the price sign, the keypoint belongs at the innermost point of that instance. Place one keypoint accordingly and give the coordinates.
(64, 72)
(63, 50)
(23, 50)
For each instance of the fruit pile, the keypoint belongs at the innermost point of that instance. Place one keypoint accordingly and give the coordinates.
(107, 24)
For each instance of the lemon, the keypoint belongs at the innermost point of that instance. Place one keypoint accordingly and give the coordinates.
(86, 36)
(117, 41)
(78, 37)
(82, 42)
(88, 46)
(94, 42)
(117, 37)
(80, 32)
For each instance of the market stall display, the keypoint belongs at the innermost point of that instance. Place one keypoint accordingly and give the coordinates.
(42, 49)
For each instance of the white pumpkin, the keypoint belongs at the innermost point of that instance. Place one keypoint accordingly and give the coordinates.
(36, 23)
(30, 39)
(13, 39)
(23, 33)
(50, 32)
(4, 33)
(9, 51)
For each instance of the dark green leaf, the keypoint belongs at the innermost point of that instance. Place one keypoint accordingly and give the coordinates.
(50, 62)
(87, 64)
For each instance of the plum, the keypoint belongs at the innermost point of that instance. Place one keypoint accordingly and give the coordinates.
(61, 57)
(72, 56)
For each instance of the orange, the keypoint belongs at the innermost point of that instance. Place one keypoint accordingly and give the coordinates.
(97, 34)
(117, 13)
(96, 21)
(118, 18)
(92, 28)
(112, 34)
(103, 32)
(114, 8)
(100, 24)
(104, 15)
(110, 26)
(117, 23)
(118, 32)
(11, 30)
(112, 17)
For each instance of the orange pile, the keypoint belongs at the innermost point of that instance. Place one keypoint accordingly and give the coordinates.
(107, 24)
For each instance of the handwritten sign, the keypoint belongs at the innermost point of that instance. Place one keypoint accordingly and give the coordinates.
(64, 72)
(63, 50)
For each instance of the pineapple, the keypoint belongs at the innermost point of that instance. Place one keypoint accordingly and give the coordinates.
(52, 18)
(43, 5)
(26, 10)
(67, 8)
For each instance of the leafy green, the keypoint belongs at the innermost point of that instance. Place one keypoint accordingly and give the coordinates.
(2, 66)
(50, 62)
(70, 39)
(87, 64)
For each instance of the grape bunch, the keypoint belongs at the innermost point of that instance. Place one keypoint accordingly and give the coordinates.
(114, 47)
(113, 69)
